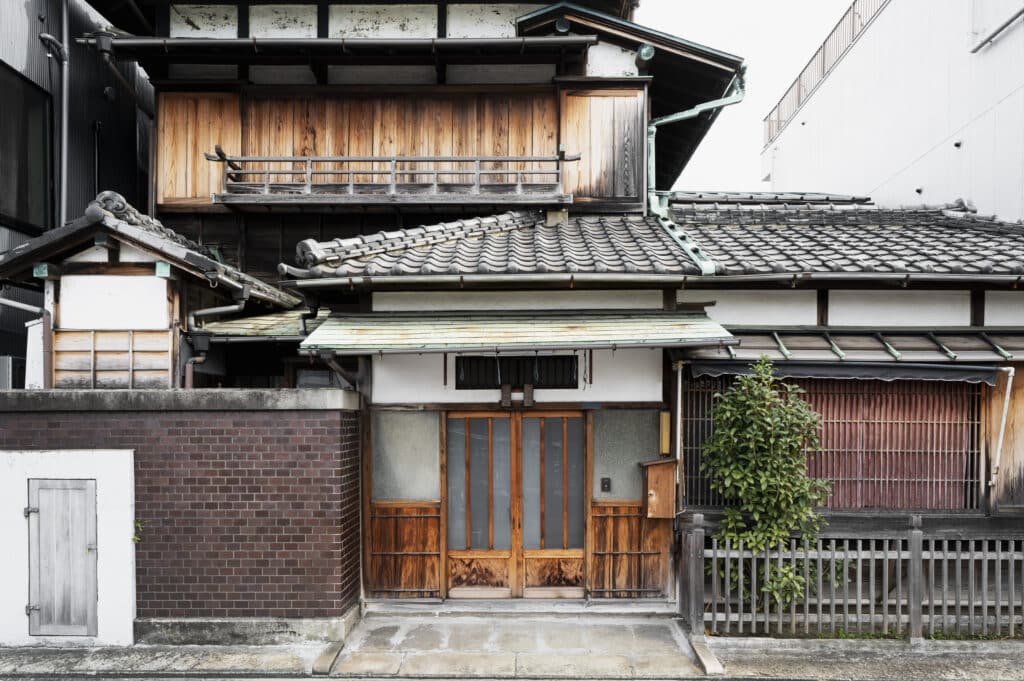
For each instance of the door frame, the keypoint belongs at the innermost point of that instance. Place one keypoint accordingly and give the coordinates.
(517, 555)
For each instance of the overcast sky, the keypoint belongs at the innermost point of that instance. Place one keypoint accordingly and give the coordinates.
(776, 39)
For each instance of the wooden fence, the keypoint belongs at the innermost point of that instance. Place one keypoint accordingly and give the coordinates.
(889, 584)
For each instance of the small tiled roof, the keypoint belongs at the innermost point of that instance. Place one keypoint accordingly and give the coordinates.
(516, 242)
(111, 213)
(775, 239)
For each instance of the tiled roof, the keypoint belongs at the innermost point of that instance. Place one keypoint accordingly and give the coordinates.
(771, 237)
(111, 213)
(852, 240)
(517, 242)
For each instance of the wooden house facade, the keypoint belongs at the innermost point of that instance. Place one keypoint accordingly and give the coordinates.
(414, 266)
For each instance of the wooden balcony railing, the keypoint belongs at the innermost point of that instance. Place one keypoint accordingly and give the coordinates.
(270, 180)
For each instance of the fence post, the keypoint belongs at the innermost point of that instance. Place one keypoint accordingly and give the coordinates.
(694, 552)
(916, 578)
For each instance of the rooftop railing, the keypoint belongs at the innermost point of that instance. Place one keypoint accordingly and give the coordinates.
(390, 179)
(852, 24)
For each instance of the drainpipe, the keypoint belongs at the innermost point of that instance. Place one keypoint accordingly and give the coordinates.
(657, 206)
(190, 369)
(105, 47)
(238, 306)
(201, 340)
(59, 49)
(737, 90)
(1002, 424)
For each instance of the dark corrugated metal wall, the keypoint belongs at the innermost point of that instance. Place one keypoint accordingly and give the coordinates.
(122, 164)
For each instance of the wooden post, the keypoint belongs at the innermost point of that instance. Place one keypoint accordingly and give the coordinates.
(692, 592)
(916, 578)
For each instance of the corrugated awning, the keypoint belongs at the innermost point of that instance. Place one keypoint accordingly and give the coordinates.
(965, 354)
(473, 332)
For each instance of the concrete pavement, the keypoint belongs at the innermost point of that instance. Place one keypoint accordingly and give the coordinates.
(535, 647)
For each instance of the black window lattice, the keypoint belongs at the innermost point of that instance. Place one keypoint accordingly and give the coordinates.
(475, 373)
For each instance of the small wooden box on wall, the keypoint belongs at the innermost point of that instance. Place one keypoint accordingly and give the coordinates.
(659, 483)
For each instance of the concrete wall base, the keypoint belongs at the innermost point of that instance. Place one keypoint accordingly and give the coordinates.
(244, 630)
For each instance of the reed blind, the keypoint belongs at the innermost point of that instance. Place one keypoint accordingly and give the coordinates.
(893, 446)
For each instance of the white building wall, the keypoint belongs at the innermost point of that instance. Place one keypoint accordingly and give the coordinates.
(35, 374)
(203, 21)
(383, 21)
(757, 307)
(1004, 308)
(113, 471)
(282, 21)
(605, 60)
(619, 376)
(113, 302)
(885, 120)
(899, 308)
(486, 20)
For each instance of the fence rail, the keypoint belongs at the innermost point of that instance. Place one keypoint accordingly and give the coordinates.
(908, 585)
(839, 40)
(537, 177)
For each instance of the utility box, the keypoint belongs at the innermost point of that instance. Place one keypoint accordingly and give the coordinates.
(659, 483)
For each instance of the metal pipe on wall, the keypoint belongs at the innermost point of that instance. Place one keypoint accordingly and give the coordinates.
(65, 102)
(1002, 424)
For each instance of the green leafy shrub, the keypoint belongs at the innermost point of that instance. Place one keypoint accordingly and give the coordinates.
(756, 458)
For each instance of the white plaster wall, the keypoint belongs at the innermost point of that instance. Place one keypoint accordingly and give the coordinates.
(34, 374)
(204, 21)
(282, 21)
(746, 308)
(486, 20)
(1004, 308)
(113, 471)
(113, 302)
(610, 61)
(465, 74)
(383, 21)
(619, 376)
(515, 300)
(125, 253)
(885, 120)
(899, 308)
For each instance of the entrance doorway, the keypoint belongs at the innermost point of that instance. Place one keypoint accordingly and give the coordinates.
(516, 498)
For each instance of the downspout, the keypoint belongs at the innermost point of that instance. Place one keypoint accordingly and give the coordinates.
(65, 101)
(238, 306)
(59, 49)
(1002, 424)
(105, 47)
(202, 343)
(658, 207)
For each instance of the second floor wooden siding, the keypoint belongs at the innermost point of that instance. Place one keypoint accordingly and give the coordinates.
(605, 127)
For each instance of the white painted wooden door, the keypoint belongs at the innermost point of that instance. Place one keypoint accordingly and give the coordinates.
(62, 557)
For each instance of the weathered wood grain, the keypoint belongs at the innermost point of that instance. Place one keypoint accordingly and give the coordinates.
(405, 549)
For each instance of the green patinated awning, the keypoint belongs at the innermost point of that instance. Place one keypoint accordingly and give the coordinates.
(278, 325)
(474, 332)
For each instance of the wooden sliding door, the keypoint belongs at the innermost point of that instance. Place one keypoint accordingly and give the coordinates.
(515, 501)
(480, 472)
(553, 489)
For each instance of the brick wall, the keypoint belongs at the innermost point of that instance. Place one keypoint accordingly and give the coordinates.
(246, 514)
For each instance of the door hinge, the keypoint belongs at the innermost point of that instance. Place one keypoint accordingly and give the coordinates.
(31, 509)
(29, 608)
